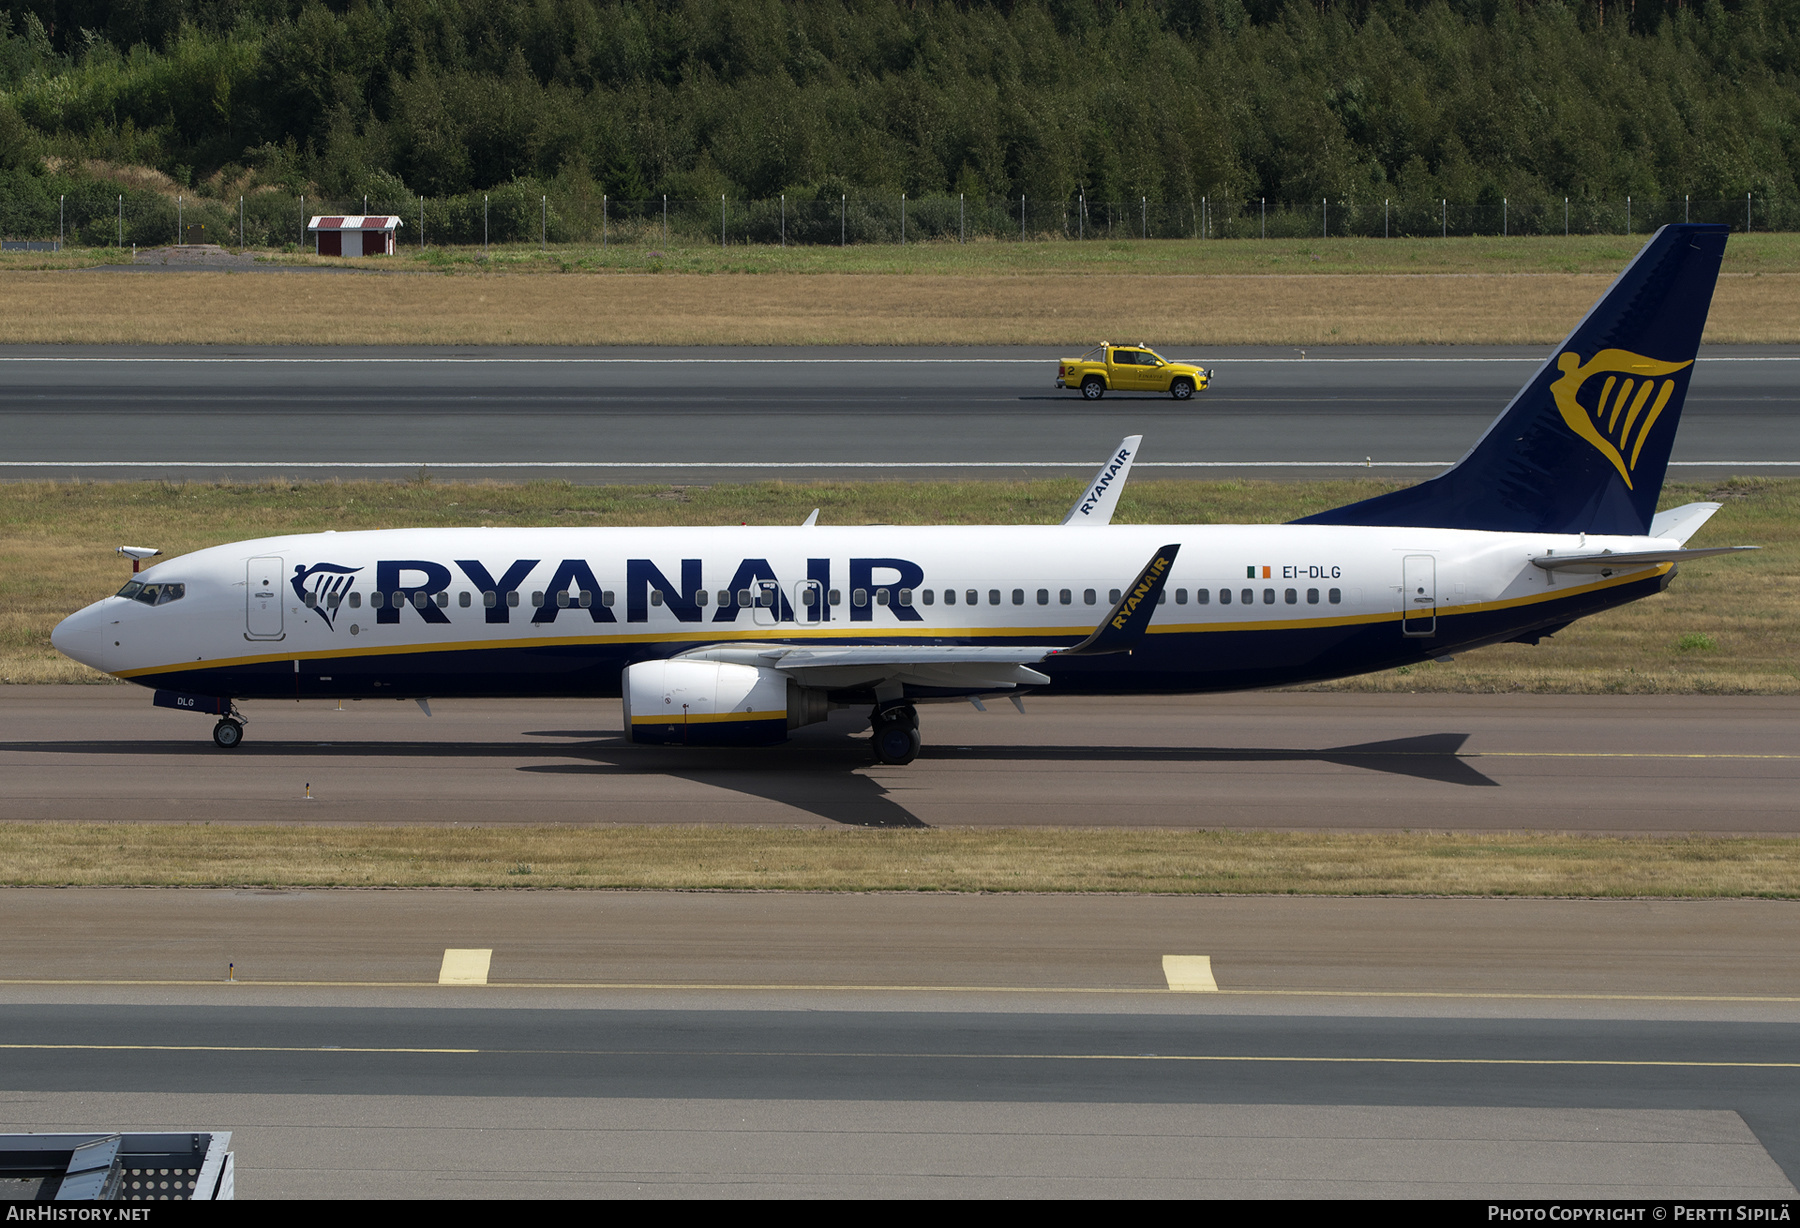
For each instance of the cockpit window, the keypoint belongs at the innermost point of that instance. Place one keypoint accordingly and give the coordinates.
(153, 594)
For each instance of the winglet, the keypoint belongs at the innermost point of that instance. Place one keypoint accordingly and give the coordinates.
(1102, 494)
(1125, 626)
(811, 520)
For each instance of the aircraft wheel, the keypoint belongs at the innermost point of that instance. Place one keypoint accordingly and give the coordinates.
(896, 737)
(1182, 389)
(1093, 388)
(228, 734)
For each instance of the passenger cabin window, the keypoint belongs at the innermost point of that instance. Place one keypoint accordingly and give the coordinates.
(462, 600)
(1087, 596)
(1247, 596)
(1018, 596)
(1202, 596)
(903, 597)
(537, 599)
(376, 600)
(1312, 596)
(881, 596)
(1181, 596)
(443, 601)
(1224, 596)
(1112, 596)
(587, 599)
(700, 597)
(859, 597)
(1043, 596)
(971, 597)
(512, 599)
(1268, 596)
(927, 597)
(1335, 596)
(993, 596)
(655, 597)
(1065, 597)
(1291, 597)
(356, 601)
(837, 597)
(949, 596)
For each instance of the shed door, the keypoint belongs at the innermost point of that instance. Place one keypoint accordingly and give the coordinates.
(1418, 595)
(353, 242)
(331, 242)
(262, 588)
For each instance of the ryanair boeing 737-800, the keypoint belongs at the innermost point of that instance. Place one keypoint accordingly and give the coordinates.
(735, 636)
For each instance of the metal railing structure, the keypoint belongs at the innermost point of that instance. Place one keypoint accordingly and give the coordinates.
(515, 215)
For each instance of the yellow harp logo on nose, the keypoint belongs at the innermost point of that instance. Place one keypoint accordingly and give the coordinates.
(1614, 414)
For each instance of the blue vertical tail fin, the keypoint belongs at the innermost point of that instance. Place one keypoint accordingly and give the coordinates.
(1584, 446)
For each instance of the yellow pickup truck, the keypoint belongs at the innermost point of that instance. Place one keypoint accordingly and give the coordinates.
(1129, 368)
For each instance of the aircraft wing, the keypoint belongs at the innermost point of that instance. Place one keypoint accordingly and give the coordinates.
(953, 665)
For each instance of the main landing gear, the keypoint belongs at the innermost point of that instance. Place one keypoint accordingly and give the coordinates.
(228, 734)
(896, 734)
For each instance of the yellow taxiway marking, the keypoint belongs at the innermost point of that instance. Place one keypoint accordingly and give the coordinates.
(1453, 995)
(465, 967)
(1271, 1058)
(1189, 973)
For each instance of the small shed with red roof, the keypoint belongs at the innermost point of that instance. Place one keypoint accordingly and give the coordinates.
(351, 235)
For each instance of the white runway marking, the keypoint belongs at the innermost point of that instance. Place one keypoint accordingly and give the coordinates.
(823, 464)
(738, 362)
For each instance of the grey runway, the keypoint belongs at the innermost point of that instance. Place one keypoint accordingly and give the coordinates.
(1356, 1047)
(1263, 760)
(675, 415)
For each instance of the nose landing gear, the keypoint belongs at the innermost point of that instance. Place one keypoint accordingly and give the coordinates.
(896, 734)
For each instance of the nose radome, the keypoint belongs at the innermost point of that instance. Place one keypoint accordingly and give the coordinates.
(77, 637)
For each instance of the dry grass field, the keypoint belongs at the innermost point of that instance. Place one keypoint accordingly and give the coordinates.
(1048, 309)
(697, 858)
(1726, 626)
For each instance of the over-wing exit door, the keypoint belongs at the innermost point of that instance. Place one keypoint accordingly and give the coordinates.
(1418, 595)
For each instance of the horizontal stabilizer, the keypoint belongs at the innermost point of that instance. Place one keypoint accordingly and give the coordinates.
(1608, 561)
(1681, 523)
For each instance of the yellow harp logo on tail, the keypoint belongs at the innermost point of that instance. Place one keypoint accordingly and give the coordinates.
(1614, 414)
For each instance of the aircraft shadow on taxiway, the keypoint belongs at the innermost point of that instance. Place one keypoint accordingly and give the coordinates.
(819, 773)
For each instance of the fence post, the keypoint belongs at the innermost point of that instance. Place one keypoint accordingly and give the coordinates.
(1384, 217)
(302, 242)
(1565, 217)
(121, 221)
(179, 219)
(1685, 210)
(962, 231)
(240, 225)
(484, 225)
(903, 219)
(721, 217)
(603, 221)
(1205, 216)
(784, 219)
(843, 227)
(1628, 217)
(60, 230)
(1021, 217)
(1505, 218)
(544, 223)
(1144, 215)
(1444, 217)
(1746, 213)
(1324, 217)
(421, 221)
(666, 220)
(1265, 217)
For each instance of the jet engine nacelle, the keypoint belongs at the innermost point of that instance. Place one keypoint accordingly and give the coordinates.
(714, 703)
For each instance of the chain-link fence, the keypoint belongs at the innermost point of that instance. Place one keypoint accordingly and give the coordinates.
(517, 215)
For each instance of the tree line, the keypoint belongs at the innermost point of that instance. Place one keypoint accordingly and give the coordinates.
(1293, 101)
